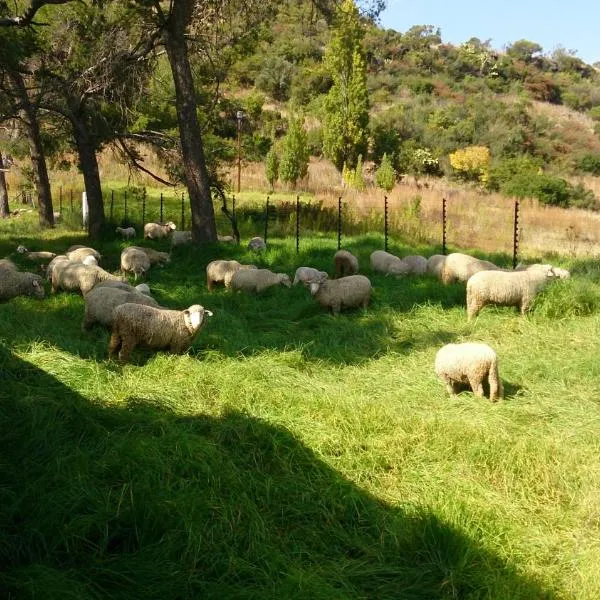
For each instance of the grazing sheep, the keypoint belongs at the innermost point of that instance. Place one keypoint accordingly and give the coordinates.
(409, 265)
(226, 238)
(143, 288)
(134, 260)
(127, 233)
(345, 263)
(257, 243)
(345, 292)
(136, 324)
(257, 280)
(181, 238)
(459, 267)
(101, 301)
(81, 253)
(74, 247)
(558, 271)
(221, 271)
(382, 261)
(52, 263)
(155, 231)
(35, 255)
(506, 288)
(72, 277)
(470, 363)
(435, 264)
(155, 257)
(17, 283)
(308, 275)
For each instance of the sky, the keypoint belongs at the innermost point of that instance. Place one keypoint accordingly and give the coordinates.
(572, 24)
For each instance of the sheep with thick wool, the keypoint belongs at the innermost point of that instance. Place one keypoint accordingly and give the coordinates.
(308, 275)
(258, 280)
(139, 325)
(73, 277)
(52, 263)
(83, 253)
(134, 260)
(459, 267)
(17, 283)
(558, 271)
(409, 265)
(345, 263)
(257, 244)
(181, 238)
(101, 301)
(127, 233)
(471, 363)
(222, 271)
(346, 292)
(156, 231)
(155, 256)
(435, 264)
(382, 262)
(506, 288)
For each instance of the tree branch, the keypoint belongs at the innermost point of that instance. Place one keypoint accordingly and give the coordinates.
(134, 161)
(27, 17)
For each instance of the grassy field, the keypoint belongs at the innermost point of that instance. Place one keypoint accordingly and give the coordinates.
(291, 454)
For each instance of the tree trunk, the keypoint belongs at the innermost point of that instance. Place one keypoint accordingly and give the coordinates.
(28, 116)
(4, 210)
(88, 163)
(196, 175)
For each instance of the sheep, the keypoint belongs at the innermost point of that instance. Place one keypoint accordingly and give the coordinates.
(308, 275)
(143, 288)
(52, 263)
(70, 276)
(435, 264)
(221, 271)
(101, 302)
(136, 324)
(134, 260)
(43, 255)
(409, 265)
(17, 283)
(181, 238)
(75, 247)
(469, 363)
(81, 253)
(155, 257)
(506, 288)
(127, 233)
(226, 238)
(459, 267)
(156, 231)
(381, 261)
(257, 244)
(257, 280)
(350, 292)
(345, 263)
(558, 271)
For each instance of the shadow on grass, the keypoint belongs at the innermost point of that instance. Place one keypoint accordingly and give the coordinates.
(138, 502)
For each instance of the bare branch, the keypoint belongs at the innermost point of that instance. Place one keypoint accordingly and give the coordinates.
(130, 154)
(27, 17)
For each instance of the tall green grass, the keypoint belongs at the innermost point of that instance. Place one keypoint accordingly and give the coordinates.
(291, 454)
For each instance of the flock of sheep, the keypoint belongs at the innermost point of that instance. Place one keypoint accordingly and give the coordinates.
(136, 319)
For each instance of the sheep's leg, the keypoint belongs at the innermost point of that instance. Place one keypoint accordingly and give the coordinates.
(335, 309)
(451, 387)
(127, 346)
(210, 284)
(496, 389)
(525, 304)
(476, 386)
(365, 303)
(114, 345)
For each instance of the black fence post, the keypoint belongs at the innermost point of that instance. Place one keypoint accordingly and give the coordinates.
(233, 206)
(339, 222)
(182, 211)
(125, 206)
(297, 223)
(444, 233)
(112, 203)
(266, 220)
(143, 208)
(516, 231)
(71, 198)
(161, 208)
(60, 199)
(385, 223)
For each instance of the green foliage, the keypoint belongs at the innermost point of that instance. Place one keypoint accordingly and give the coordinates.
(353, 177)
(524, 50)
(293, 164)
(385, 176)
(272, 167)
(275, 77)
(589, 163)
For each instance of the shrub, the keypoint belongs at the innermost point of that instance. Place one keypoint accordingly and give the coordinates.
(294, 156)
(472, 163)
(589, 163)
(354, 177)
(272, 167)
(385, 176)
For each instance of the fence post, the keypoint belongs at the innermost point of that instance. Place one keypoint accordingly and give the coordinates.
(60, 199)
(444, 234)
(339, 222)
(385, 223)
(266, 220)
(161, 208)
(297, 223)
(516, 232)
(125, 207)
(71, 198)
(143, 208)
(112, 202)
(233, 206)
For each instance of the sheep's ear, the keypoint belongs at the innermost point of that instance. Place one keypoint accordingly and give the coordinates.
(36, 284)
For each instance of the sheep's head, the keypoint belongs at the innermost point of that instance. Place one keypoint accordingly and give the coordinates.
(284, 279)
(143, 288)
(170, 226)
(314, 287)
(37, 289)
(21, 249)
(118, 230)
(90, 261)
(562, 273)
(194, 317)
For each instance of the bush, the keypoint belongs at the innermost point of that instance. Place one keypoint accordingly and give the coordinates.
(589, 163)
(314, 141)
(472, 163)
(272, 167)
(385, 176)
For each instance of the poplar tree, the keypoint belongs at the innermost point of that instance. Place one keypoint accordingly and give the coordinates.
(294, 154)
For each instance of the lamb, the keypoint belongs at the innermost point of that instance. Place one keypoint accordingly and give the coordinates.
(101, 302)
(221, 271)
(70, 276)
(17, 283)
(43, 255)
(345, 263)
(459, 267)
(506, 288)
(155, 257)
(345, 292)
(469, 363)
(136, 324)
(127, 233)
(134, 260)
(81, 253)
(181, 238)
(257, 244)
(156, 231)
(257, 280)
(308, 275)
(435, 264)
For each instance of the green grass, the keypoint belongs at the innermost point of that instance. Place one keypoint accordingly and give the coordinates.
(291, 454)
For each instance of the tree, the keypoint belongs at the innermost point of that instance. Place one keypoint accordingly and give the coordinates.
(294, 152)
(272, 166)
(524, 50)
(385, 176)
(4, 210)
(346, 115)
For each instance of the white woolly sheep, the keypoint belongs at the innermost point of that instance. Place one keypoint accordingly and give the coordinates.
(506, 288)
(82, 253)
(143, 288)
(381, 261)
(558, 271)
(221, 271)
(469, 363)
(101, 301)
(134, 260)
(345, 292)
(127, 233)
(72, 277)
(42, 255)
(257, 244)
(17, 283)
(435, 264)
(409, 265)
(257, 280)
(52, 263)
(155, 257)
(181, 238)
(135, 324)
(459, 267)
(345, 263)
(156, 231)
(308, 275)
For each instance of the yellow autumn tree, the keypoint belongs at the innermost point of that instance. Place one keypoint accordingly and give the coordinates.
(472, 163)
